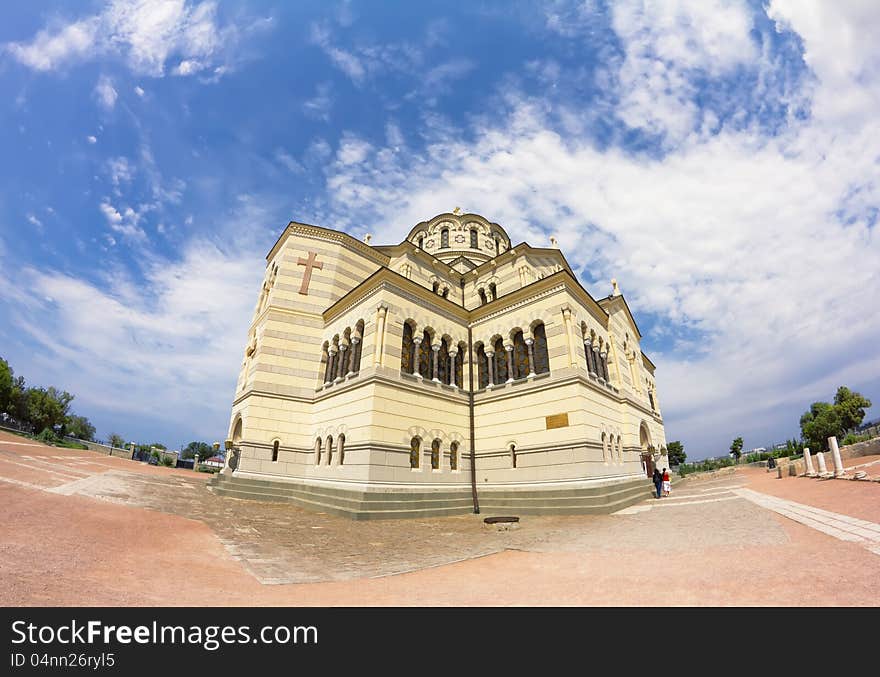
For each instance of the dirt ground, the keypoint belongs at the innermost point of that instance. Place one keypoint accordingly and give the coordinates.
(85, 529)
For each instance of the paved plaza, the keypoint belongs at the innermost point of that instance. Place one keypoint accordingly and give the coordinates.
(86, 529)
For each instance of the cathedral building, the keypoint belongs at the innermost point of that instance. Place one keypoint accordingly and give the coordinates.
(452, 373)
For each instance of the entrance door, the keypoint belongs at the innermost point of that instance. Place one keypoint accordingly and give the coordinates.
(648, 460)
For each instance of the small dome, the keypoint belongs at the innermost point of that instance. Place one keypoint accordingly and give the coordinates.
(451, 236)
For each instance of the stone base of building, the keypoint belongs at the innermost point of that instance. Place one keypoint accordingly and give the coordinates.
(399, 503)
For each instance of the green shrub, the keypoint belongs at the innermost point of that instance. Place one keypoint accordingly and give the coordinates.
(207, 468)
(47, 436)
(167, 462)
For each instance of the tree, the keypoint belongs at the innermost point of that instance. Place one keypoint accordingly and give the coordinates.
(7, 383)
(675, 453)
(203, 449)
(80, 428)
(736, 448)
(47, 407)
(850, 407)
(819, 423)
(117, 441)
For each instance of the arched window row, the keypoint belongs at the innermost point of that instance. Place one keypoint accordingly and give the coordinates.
(341, 355)
(326, 453)
(440, 360)
(500, 362)
(612, 447)
(440, 288)
(487, 293)
(596, 352)
(437, 455)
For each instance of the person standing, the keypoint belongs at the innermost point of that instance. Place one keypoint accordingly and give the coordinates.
(667, 482)
(658, 481)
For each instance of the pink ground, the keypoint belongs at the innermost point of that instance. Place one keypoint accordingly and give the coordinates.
(59, 549)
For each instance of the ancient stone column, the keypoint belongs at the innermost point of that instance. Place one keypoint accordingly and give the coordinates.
(598, 372)
(417, 345)
(436, 350)
(490, 354)
(530, 342)
(509, 349)
(835, 456)
(808, 463)
(820, 458)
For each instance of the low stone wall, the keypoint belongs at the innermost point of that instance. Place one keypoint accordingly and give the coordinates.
(711, 474)
(103, 448)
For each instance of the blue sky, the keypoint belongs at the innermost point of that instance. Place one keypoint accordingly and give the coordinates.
(720, 159)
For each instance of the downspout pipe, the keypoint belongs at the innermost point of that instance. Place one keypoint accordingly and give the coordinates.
(471, 407)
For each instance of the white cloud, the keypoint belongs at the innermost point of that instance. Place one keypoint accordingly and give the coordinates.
(148, 33)
(34, 221)
(120, 170)
(125, 222)
(139, 91)
(105, 92)
(319, 106)
(347, 62)
(92, 139)
(666, 46)
(53, 49)
(286, 159)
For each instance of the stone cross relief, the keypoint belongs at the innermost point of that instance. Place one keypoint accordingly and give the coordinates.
(309, 263)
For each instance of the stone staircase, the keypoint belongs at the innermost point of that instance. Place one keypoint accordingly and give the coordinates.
(372, 504)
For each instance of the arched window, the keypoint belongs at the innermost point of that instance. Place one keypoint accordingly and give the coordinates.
(459, 365)
(493, 291)
(407, 353)
(474, 243)
(497, 246)
(500, 362)
(325, 360)
(425, 355)
(421, 243)
(435, 455)
(415, 450)
(605, 447)
(340, 449)
(651, 398)
(513, 455)
(542, 358)
(453, 453)
(329, 449)
(275, 446)
(445, 292)
(482, 367)
(318, 451)
(444, 237)
(520, 356)
(435, 287)
(443, 362)
(482, 293)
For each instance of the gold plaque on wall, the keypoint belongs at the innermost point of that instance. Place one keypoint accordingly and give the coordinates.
(557, 421)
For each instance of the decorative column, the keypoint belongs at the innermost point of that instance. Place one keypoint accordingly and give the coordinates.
(835, 456)
(596, 362)
(354, 344)
(330, 366)
(417, 344)
(452, 354)
(490, 359)
(509, 349)
(436, 359)
(325, 358)
(604, 356)
(340, 363)
(820, 458)
(529, 344)
(381, 312)
(808, 462)
(588, 353)
(566, 314)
